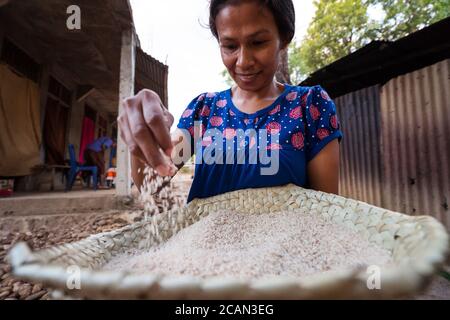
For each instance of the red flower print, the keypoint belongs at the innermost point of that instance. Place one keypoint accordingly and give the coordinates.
(216, 121)
(322, 133)
(291, 96)
(210, 94)
(205, 111)
(295, 113)
(229, 133)
(221, 103)
(274, 110)
(247, 121)
(334, 122)
(256, 119)
(187, 113)
(206, 141)
(201, 97)
(274, 146)
(304, 99)
(297, 140)
(191, 130)
(232, 113)
(325, 95)
(273, 127)
(314, 111)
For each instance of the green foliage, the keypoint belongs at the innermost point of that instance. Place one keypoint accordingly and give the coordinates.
(340, 27)
(227, 78)
(405, 16)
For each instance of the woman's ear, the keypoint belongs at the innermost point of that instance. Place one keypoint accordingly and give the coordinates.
(284, 45)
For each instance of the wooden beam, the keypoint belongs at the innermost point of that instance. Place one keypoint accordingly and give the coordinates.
(84, 91)
(126, 87)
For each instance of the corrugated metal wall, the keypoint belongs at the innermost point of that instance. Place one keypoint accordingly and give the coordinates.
(360, 171)
(415, 117)
(396, 148)
(151, 74)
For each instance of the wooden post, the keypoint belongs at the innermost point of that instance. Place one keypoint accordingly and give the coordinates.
(126, 87)
(2, 35)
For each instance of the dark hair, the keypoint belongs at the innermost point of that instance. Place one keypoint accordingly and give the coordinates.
(282, 11)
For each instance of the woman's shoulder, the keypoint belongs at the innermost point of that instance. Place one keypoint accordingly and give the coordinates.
(315, 93)
(207, 97)
(317, 89)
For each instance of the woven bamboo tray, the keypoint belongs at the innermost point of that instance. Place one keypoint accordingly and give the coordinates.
(418, 245)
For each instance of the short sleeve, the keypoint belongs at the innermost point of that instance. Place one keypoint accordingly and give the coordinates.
(322, 123)
(194, 112)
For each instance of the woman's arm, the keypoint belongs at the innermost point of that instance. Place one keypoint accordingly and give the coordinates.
(323, 169)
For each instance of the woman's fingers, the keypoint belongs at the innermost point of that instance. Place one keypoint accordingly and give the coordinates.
(157, 120)
(145, 125)
(127, 137)
(143, 136)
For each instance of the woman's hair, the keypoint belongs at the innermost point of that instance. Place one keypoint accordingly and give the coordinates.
(282, 11)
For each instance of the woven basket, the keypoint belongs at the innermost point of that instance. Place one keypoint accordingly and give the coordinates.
(418, 245)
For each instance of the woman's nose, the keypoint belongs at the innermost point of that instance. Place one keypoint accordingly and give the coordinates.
(245, 59)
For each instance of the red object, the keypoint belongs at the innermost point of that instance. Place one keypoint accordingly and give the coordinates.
(216, 121)
(296, 113)
(322, 133)
(275, 110)
(273, 127)
(297, 140)
(6, 187)
(314, 111)
(87, 136)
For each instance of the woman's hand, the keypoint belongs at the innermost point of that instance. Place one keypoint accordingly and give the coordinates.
(145, 127)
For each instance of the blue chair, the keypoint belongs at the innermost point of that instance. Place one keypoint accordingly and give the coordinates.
(76, 168)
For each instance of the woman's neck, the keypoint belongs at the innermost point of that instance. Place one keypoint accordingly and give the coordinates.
(252, 101)
(266, 93)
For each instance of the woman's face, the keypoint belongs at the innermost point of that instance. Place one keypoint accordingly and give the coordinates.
(250, 44)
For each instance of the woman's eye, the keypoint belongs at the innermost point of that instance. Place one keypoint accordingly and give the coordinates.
(258, 43)
(229, 47)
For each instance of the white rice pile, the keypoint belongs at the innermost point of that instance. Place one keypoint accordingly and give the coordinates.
(248, 246)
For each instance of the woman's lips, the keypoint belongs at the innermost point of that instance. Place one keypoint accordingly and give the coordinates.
(247, 77)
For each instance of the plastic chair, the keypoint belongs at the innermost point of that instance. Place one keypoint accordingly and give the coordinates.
(76, 168)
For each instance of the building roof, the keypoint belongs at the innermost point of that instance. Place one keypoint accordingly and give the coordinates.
(91, 55)
(380, 61)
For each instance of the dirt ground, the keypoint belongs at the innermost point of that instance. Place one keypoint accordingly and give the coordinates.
(45, 231)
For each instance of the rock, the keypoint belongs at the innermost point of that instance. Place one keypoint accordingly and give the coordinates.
(46, 296)
(16, 287)
(36, 295)
(4, 294)
(36, 288)
(84, 234)
(24, 291)
(101, 222)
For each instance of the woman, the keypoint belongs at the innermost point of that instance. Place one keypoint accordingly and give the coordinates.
(297, 125)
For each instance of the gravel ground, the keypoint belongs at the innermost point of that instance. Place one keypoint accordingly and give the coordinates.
(46, 231)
